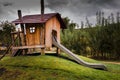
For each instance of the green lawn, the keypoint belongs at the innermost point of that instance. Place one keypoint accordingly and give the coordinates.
(53, 68)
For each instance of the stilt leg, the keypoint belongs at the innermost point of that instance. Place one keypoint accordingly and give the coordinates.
(58, 51)
(42, 51)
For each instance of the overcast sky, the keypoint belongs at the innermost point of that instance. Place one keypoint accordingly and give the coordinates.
(76, 10)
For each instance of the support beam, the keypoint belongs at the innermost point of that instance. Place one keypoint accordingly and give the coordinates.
(22, 25)
(23, 31)
(42, 7)
(42, 34)
(42, 40)
(42, 51)
(19, 38)
(58, 51)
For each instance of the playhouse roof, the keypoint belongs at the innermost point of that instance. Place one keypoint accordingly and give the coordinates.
(37, 19)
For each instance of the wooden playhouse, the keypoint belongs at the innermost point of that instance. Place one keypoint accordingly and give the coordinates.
(41, 31)
(36, 31)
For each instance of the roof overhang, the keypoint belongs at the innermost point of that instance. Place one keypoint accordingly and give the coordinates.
(35, 19)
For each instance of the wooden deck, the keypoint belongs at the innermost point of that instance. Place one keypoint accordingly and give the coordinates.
(28, 47)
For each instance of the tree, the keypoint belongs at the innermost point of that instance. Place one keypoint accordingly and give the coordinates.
(5, 35)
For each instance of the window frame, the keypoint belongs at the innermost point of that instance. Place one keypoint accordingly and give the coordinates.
(32, 30)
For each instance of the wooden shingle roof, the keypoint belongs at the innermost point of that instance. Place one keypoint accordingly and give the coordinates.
(38, 19)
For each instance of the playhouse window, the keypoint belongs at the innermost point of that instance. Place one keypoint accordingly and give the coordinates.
(32, 29)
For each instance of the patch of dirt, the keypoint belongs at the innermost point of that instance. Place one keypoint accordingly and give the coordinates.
(2, 70)
(55, 74)
(9, 74)
(12, 74)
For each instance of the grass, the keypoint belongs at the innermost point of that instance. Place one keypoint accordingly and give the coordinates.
(53, 68)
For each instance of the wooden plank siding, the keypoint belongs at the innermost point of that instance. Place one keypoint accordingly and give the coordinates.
(33, 38)
(52, 24)
(42, 37)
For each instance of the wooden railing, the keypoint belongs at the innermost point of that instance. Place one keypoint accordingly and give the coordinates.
(19, 42)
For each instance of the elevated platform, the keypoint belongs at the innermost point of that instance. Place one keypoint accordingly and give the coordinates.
(29, 47)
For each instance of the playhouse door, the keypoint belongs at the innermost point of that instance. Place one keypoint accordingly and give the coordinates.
(32, 35)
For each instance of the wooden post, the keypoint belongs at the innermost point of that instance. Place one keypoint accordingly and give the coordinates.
(42, 51)
(58, 51)
(42, 39)
(22, 25)
(12, 39)
(23, 31)
(43, 34)
(42, 28)
(12, 43)
(19, 42)
(42, 9)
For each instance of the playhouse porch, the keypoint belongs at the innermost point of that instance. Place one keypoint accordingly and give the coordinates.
(23, 44)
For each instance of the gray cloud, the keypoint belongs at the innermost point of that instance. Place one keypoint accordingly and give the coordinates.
(3, 5)
(0, 8)
(79, 9)
(88, 7)
(7, 4)
(75, 9)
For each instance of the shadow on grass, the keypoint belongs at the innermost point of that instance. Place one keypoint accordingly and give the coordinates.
(61, 56)
(32, 54)
(51, 54)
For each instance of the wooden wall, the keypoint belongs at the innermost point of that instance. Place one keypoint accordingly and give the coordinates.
(52, 24)
(43, 32)
(33, 38)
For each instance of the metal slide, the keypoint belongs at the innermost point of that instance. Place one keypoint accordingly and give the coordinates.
(76, 58)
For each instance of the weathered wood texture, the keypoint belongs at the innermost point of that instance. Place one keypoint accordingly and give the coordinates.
(36, 37)
(41, 36)
(52, 24)
(28, 47)
(22, 28)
